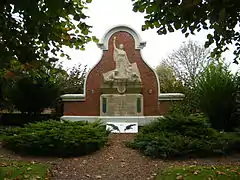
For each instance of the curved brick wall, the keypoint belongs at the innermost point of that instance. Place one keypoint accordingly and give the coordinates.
(91, 107)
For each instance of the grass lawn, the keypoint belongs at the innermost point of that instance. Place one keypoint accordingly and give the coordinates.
(1, 133)
(22, 170)
(200, 173)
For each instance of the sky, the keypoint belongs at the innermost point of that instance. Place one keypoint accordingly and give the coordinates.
(105, 14)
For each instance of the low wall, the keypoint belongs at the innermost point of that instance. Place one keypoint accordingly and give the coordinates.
(141, 120)
(76, 105)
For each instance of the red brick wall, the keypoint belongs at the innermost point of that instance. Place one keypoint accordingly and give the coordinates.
(163, 107)
(91, 107)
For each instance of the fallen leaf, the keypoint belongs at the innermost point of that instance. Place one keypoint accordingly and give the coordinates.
(192, 166)
(210, 178)
(180, 177)
(123, 164)
(220, 173)
(84, 162)
(4, 164)
(88, 175)
(99, 177)
(196, 172)
(154, 174)
(213, 167)
(233, 170)
(26, 176)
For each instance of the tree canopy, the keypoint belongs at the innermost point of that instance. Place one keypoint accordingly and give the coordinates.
(30, 29)
(167, 79)
(188, 61)
(73, 83)
(190, 16)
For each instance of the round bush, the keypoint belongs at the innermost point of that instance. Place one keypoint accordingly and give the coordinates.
(55, 138)
(179, 136)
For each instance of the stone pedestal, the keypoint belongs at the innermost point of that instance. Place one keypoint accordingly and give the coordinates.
(121, 105)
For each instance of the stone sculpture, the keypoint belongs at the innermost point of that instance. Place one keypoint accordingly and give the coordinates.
(124, 71)
(123, 66)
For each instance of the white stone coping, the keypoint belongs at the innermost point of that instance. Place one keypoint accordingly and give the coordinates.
(141, 120)
(139, 44)
(161, 97)
(73, 97)
(170, 96)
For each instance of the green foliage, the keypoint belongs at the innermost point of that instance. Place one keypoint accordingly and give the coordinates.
(73, 82)
(41, 76)
(179, 136)
(70, 81)
(215, 90)
(19, 119)
(49, 78)
(179, 124)
(54, 138)
(200, 172)
(188, 61)
(189, 105)
(23, 170)
(167, 79)
(192, 16)
(29, 30)
(181, 108)
(2, 133)
(179, 71)
(32, 94)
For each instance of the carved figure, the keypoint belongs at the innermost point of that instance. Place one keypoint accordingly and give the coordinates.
(124, 72)
(123, 66)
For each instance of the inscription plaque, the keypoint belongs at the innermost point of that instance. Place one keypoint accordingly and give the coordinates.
(121, 104)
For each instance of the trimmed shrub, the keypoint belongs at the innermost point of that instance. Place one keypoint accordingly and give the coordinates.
(54, 138)
(175, 136)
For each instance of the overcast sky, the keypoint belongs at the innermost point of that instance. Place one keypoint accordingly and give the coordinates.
(105, 14)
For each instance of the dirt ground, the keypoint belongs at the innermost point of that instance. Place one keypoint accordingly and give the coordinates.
(113, 162)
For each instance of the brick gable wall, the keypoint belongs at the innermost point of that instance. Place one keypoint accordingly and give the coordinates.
(91, 107)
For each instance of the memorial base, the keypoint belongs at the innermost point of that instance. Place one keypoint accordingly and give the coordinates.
(141, 120)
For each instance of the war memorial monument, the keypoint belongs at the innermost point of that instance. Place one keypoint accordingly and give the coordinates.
(121, 87)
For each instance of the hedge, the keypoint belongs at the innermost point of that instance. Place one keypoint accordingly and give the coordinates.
(55, 138)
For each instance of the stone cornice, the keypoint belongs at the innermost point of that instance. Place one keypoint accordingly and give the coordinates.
(139, 44)
(73, 97)
(170, 96)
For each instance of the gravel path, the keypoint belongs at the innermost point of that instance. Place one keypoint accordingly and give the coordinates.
(114, 162)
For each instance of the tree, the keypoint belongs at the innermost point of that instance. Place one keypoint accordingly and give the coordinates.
(189, 16)
(167, 79)
(215, 89)
(73, 82)
(30, 29)
(69, 82)
(169, 83)
(188, 61)
(31, 90)
(32, 94)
